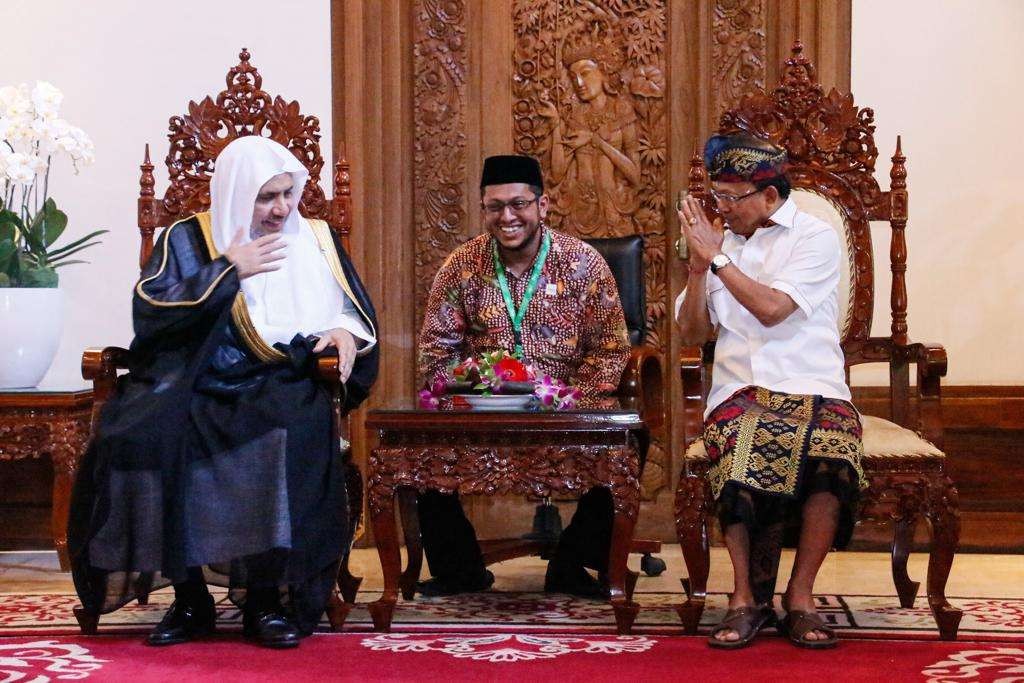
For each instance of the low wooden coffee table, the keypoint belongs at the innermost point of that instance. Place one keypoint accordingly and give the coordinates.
(522, 452)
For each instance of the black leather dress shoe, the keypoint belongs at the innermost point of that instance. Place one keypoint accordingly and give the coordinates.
(271, 628)
(184, 621)
(574, 580)
(452, 586)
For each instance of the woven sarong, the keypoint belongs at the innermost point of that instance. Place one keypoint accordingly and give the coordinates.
(761, 439)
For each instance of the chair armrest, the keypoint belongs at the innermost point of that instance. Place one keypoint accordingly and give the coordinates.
(693, 372)
(100, 366)
(642, 380)
(327, 368)
(931, 364)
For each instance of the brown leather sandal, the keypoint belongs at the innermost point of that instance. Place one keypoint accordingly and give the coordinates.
(746, 621)
(797, 624)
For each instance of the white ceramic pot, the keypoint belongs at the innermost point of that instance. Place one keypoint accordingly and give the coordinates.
(31, 322)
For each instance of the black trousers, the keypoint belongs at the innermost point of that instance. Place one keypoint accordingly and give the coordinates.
(449, 540)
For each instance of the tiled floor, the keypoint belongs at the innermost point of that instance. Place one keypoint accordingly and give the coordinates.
(973, 575)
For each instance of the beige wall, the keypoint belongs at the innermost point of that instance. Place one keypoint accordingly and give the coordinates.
(947, 74)
(944, 73)
(125, 67)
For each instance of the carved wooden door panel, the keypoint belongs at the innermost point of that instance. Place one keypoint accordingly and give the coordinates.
(610, 95)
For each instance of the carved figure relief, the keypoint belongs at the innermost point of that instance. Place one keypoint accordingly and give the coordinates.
(589, 102)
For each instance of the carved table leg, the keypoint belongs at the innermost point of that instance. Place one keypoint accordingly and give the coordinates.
(347, 583)
(692, 531)
(944, 514)
(65, 462)
(622, 535)
(413, 542)
(382, 508)
(902, 542)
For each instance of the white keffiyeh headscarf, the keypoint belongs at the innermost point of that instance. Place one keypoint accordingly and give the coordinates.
(302, 296)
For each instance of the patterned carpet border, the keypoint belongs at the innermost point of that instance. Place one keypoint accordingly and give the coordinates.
(853, 616)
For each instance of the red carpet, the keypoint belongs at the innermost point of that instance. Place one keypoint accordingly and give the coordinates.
(454, 657)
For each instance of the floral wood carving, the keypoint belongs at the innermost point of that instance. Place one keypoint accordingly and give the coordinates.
(439, 104)
(831, 147)
(534, 471)
(244, 108)
(31, 433)
(196, 138)
(589, 102)
(737, 51)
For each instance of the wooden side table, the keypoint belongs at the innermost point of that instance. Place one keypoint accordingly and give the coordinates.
(488, 453)
(39, 422)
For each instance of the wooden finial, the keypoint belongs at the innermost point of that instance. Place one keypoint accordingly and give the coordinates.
(341, 206)
(898, 245)
(697, 176)
(146, 181)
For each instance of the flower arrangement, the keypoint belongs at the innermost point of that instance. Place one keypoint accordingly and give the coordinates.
(31, 135)
(501, 372)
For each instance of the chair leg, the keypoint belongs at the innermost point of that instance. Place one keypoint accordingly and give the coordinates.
(943, 513)
(413, 542)
(902, 542)
(337, 612)
(692, 532)
(347, 583)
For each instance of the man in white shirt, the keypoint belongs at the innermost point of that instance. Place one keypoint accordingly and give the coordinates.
(784, 440)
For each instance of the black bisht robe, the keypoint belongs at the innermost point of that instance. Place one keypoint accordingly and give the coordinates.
(215, 451)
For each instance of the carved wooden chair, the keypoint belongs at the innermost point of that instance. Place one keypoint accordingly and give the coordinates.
(196, 139)
(640, 386)
(832, 161)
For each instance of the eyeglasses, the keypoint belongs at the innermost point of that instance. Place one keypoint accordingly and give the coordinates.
(732, 199)
(518, 205)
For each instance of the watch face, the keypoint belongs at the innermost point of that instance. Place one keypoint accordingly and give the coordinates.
(720, 260)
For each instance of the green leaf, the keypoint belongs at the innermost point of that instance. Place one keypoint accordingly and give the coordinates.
(66, 247)
(7, 250)
(8, 229)
(65, 254)
(7, 216)
(13, 270)
(64, 263)
(39, 277)
(54, 223)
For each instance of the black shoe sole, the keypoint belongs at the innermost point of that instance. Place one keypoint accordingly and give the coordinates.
(180, 639)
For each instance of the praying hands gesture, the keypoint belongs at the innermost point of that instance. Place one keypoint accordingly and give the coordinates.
(703, 237)
(345, 343)
(257, 256)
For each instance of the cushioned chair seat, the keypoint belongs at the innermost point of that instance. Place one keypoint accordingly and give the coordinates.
(882, 439)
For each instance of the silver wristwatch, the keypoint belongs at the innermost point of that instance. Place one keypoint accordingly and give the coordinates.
(719, 261)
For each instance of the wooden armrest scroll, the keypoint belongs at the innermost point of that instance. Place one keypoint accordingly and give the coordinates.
(931, 364)
(642, 380)
(693, 372)
(100, 366)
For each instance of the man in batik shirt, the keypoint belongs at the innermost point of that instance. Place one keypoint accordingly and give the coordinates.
(784, 440)
(550, 298)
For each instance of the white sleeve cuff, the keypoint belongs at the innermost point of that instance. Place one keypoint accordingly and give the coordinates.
(793, 293)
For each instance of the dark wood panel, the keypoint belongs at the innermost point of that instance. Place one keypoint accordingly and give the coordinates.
(963, 406)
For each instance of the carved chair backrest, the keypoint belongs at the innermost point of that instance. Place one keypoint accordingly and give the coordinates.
(196, 138)
(832, 156)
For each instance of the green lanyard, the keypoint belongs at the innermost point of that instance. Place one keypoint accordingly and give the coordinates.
(531, 287)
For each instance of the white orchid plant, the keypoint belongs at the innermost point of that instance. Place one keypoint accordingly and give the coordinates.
(32, 135)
